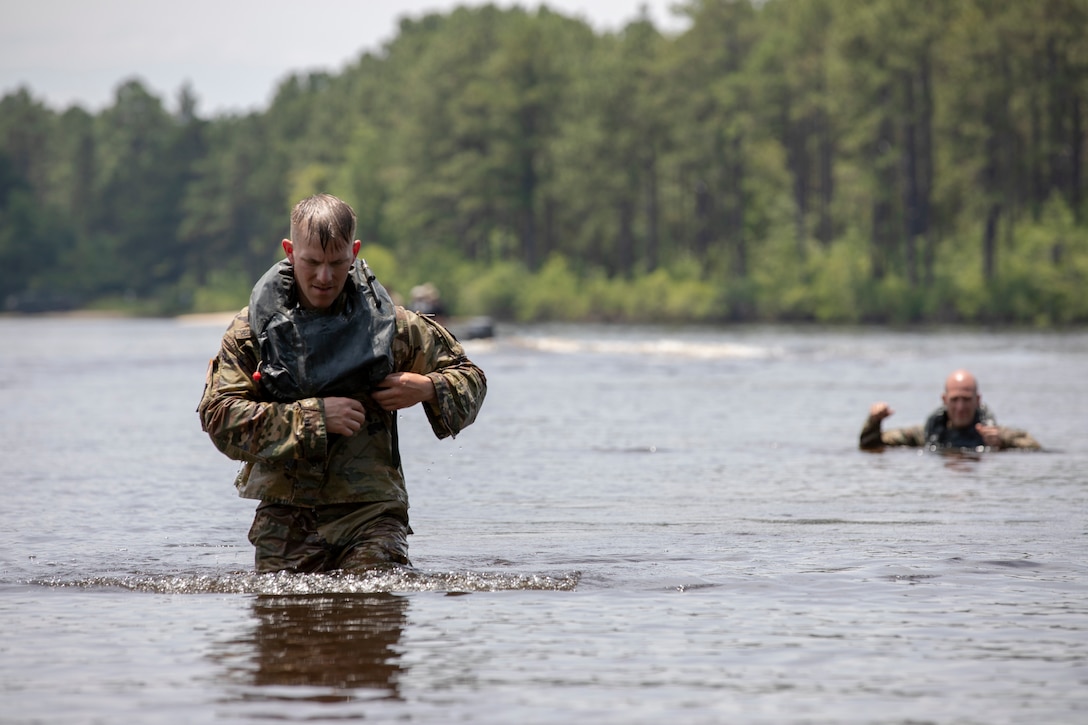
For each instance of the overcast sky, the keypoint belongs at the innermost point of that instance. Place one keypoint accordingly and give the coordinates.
(232, 52)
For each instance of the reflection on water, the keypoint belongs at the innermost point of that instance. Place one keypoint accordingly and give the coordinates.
(344, 642)
(963, 460)
(956, 459)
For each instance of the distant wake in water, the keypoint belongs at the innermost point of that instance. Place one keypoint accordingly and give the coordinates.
(396, 580)
(647, 348)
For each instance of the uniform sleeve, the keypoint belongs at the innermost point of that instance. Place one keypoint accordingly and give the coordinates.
(872, 438)
(425, 347)
(1014, 438)
(240, 423)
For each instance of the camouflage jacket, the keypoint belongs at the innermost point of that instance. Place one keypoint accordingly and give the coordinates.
(287, 454)
(940, 436)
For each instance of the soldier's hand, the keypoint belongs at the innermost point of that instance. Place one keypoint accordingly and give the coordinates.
(403, 390)
(344, 416)
(990, 435)
(879, 411)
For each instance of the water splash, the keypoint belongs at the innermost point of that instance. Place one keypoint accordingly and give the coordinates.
(395, 580)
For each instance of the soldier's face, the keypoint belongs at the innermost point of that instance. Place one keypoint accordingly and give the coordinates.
(320, 274)
(961, 400)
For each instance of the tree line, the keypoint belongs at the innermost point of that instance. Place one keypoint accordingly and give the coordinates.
(877, 161)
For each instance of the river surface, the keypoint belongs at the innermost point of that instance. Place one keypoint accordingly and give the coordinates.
(645, 525)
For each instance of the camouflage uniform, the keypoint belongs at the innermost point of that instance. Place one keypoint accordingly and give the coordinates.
(330, 501)
(936, 434)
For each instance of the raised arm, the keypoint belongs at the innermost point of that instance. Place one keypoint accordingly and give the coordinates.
(872, 438)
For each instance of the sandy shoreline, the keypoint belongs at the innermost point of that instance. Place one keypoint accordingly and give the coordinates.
(197, 318)
(207, 318)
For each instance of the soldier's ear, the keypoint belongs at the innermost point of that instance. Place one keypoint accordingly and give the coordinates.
(289, 250)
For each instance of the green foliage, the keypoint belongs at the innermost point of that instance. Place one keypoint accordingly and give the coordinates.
(382, 262)
(835, 161)
(837, 272)
(960, 284)
(1044, 282)
(554, 294)
(508, 290)
(663, 297)
(492, 290)
(225, 289)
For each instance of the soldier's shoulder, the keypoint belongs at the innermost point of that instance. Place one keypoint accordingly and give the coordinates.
(1018, 438)
(410, 322)
(239, 329)
(241, 320)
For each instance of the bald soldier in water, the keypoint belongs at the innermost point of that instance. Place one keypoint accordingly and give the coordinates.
(962, 422)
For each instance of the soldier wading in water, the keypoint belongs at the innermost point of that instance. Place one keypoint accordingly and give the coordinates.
(305, 392)
(962, 423)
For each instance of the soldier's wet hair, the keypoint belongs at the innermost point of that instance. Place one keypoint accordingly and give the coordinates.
(325, 218)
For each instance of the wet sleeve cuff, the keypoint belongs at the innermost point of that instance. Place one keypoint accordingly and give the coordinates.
(440, 411)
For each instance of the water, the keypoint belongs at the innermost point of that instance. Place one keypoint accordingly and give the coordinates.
(645, 524)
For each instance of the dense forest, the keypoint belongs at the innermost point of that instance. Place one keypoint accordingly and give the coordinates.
(874, 161)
